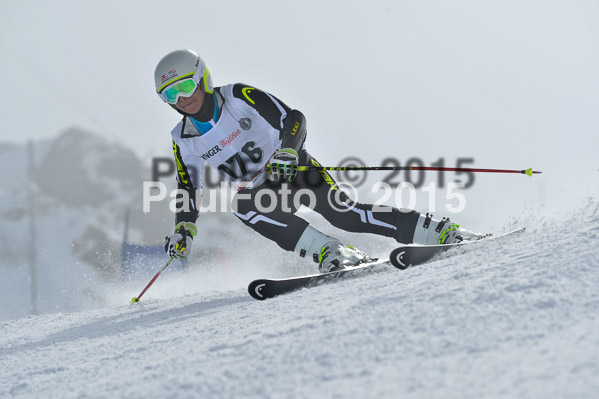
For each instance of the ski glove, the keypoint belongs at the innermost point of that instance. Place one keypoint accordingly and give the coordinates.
(178, 244)
(284, 164)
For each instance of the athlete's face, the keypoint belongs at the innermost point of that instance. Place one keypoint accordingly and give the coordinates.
(191, 104)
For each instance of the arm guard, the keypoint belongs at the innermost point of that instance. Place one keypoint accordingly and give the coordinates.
(293, 134)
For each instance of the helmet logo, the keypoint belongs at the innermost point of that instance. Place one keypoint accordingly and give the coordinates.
(169, 75)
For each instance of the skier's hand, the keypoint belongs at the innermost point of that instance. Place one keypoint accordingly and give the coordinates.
(284, 164)
(178, 244)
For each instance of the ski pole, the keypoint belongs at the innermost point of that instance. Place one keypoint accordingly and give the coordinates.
(137, 298)
(528, 172)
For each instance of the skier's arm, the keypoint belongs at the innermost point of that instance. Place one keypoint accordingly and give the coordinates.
(189, 211)
(178, 244)
(186, 176)
(283, 165)
(294, 133)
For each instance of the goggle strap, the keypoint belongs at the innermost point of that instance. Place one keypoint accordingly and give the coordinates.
(205, 78)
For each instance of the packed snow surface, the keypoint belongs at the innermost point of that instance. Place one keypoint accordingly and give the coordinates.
(517, 318)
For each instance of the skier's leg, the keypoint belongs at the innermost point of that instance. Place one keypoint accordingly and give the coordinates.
(261, 209)
(405, 226)
(265, 211)
(342, 212)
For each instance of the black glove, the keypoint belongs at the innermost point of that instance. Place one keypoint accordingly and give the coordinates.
(284, 164)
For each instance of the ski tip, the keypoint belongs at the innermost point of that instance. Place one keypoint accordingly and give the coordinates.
(397, 258)
(256, 290)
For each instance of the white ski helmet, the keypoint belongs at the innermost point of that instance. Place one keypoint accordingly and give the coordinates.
(179, 65)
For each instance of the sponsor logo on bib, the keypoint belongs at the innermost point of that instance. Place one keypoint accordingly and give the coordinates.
(211, 152)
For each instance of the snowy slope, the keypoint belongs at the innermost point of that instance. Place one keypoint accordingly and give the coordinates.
(517, 319)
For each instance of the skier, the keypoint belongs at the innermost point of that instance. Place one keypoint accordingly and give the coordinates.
(252, 137)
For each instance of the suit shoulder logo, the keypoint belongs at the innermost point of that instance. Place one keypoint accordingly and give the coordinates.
(245, 123)
(246, 91)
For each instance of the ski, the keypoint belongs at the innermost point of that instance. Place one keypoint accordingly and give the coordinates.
(267, 288)
(403, 257)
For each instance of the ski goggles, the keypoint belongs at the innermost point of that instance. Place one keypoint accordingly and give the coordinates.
(180, 88)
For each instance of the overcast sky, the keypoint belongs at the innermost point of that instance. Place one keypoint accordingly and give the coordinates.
(495, 80)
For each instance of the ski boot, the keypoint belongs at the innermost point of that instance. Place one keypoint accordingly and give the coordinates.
(330, 253)
(439, 232)
(336, 256)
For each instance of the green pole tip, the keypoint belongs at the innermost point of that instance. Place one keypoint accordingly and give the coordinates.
(134, 300)
(528, 172)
